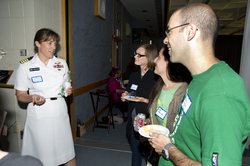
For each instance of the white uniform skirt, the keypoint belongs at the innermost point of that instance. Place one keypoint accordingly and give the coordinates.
(47, 133)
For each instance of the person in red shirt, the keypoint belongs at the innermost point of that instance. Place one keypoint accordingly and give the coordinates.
(113, 84)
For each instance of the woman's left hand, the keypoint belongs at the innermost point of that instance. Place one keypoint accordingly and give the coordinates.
(140, 99)
(69, 91)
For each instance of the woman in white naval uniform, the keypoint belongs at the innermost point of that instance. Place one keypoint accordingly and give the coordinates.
(47, 132)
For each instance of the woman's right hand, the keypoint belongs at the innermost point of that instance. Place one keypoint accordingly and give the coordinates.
(123, 95)
(39, 100)
(22, 96)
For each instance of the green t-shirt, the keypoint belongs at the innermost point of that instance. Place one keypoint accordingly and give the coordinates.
(217, 122)
(163, 101)
(162, 105)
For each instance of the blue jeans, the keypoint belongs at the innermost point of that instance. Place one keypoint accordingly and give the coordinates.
(137, 148)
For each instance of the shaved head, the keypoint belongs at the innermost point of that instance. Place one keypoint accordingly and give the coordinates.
(204, 17)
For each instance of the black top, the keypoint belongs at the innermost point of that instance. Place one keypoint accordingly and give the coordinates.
(143, 88)
(128, 72)
(13, 159)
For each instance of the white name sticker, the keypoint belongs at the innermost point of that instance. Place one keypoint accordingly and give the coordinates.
(37, 79)
(134, 87)
(186, 104)
(161, 113)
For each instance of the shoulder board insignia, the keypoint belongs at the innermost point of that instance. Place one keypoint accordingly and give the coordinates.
(26, 60)
(59, 57)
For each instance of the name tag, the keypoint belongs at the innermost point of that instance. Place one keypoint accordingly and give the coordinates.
(37, 79)
(161, 113)
(186, 104)
(134, 87)
(34, 69)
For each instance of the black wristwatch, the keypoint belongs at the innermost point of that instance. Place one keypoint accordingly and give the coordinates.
(165, 153)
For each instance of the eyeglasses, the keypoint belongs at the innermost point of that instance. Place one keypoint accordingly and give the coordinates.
(138, 55)
(168, 30)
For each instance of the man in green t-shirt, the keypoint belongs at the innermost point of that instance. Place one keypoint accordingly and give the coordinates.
(213, 122)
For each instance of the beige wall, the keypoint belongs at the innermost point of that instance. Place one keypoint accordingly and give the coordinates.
(19, 21)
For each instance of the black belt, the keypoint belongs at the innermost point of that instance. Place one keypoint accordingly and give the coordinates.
(53, 98)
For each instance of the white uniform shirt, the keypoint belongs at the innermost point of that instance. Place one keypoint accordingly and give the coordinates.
(39, 79)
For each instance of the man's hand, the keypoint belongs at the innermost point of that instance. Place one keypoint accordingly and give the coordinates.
(175, 155)
(159, 141)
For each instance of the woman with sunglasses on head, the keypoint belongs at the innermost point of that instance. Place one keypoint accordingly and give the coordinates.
(141, 82)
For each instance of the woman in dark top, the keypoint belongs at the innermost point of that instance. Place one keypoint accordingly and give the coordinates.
(141, 82)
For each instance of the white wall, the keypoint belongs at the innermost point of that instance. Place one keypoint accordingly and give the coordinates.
(19, 21)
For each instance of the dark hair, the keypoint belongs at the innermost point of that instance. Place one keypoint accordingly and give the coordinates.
(205, 18)
(45, 34)
(114, 71)
(176, 73)
(151, 53)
